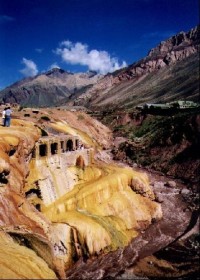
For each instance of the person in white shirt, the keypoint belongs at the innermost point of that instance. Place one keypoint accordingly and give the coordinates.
(7, 116)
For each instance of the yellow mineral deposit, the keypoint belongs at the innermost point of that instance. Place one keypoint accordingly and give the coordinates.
(19, 262)
(104, 209)
(87, 206)
(66, 128)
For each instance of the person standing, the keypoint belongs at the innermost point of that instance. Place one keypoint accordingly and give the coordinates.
(7, 116)
(3, 116)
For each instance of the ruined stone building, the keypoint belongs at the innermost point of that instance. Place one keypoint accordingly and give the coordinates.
(50, 176)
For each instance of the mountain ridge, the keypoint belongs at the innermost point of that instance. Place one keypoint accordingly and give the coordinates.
(51, 88)
(169, 72)
(162, 62)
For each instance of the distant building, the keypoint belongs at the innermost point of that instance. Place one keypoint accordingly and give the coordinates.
(180, 104)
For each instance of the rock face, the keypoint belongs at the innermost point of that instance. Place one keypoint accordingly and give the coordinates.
(105, 207)
(49, 89)
(168, 143)
(19, 262)
(174, 49)
(184, 43)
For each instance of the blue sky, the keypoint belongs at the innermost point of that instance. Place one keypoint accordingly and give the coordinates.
(82, 35)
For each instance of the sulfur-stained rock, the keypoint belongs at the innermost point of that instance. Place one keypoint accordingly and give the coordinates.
(17, 143)
(19, 262)
(104, 210)
(65, 246)
(87, 206)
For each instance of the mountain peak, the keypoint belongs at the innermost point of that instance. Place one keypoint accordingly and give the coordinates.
(50, 88)
(177, 42)
(55, 71)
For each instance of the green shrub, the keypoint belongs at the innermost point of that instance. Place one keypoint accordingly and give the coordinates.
(80, 117)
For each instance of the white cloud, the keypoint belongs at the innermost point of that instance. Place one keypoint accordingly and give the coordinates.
(54, 65)
(78, 53)
(30, 68)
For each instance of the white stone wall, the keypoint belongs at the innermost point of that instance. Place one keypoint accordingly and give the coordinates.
(55, 179)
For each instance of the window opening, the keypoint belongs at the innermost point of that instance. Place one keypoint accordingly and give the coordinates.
(69, 145)
(43, 150)
(54, 148)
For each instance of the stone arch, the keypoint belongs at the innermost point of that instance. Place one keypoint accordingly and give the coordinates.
(80, 162)
(43, 150)
(69, 145)
(54, 148)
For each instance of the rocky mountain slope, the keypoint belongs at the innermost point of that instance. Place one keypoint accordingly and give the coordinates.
(166, 143)
(48, 89)
(169, 72)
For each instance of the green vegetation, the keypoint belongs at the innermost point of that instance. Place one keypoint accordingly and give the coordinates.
(169, 144)
(80, 117)
(158, 129)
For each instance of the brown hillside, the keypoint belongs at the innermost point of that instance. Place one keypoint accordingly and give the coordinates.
(169, 72)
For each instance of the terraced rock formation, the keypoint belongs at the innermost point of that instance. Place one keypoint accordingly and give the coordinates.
(104, 209)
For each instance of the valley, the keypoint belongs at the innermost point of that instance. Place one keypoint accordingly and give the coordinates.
(99, 174)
